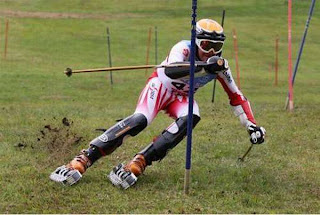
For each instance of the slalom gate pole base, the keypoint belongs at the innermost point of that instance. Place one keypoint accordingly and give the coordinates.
(187, 181)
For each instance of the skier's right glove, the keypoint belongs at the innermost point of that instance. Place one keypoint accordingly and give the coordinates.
(256, 133)
(216, 64)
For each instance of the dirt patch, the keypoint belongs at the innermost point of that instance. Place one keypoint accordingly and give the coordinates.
(52, 15)
(59, 141)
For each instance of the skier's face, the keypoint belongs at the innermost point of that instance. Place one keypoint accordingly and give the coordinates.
(205, 56)
(208, 48)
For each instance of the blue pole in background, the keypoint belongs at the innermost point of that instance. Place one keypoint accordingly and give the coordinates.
(301, 47)
(190, 95)
(303, 40)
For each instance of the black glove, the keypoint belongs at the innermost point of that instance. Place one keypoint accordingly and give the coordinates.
(216, 64)
(256, 134)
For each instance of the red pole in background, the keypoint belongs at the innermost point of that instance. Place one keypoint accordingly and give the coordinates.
(276, 64)
(148, 49)
(290, 55)
(6, 39)
(235, 46)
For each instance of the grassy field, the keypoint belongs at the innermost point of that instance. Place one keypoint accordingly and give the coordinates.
(281, 176)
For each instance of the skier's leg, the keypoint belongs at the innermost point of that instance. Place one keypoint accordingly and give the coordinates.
(148, 106)
(159, 148)
(103, 145)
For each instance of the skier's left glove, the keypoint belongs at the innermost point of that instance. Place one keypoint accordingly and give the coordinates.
(256, 133)
(216, 64)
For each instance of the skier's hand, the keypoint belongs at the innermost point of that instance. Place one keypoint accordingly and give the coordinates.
(256, 133)
(216, 64)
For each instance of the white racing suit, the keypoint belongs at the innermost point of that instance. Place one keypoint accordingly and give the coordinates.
(171, 95)
(165, 90)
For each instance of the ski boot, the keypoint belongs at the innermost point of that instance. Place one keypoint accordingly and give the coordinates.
(71, 173)
(126, 176)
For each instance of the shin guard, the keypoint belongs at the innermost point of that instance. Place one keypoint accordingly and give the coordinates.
(113, 137)
(168, 139)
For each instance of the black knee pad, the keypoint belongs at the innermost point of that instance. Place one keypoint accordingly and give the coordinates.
(168, 139)
(113, 137)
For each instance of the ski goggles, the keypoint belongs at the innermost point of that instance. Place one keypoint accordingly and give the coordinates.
(207, 46)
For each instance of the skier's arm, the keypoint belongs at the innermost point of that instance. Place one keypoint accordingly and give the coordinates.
(213, 65)
(241, 107)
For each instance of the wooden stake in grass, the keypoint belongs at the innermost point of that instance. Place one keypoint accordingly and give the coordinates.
(109, 54)
(290, 55)
(276, 64)
(156, 45)
(0, 33)
(148, 49)
(6, 39)
(235, 46)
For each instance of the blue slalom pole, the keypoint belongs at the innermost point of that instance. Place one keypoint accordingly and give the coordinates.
(303, 40)
(301, 47)
(190, 95)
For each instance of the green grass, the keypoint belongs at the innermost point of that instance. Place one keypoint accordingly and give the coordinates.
(280, 176)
